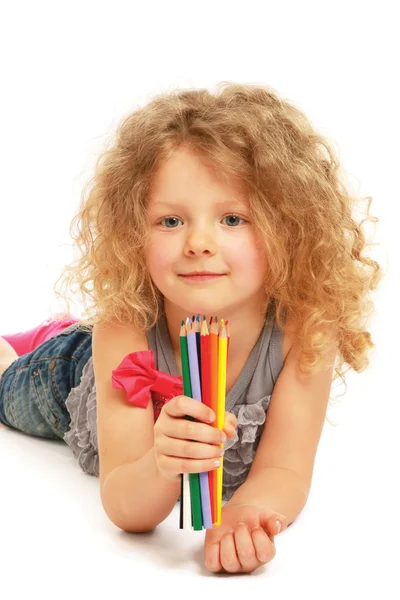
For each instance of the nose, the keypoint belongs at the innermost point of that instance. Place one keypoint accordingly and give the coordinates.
(200, 241)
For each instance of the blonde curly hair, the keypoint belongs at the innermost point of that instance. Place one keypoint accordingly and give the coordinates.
(320, 277)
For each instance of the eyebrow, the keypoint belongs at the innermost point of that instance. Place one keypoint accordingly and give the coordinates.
(234, 203)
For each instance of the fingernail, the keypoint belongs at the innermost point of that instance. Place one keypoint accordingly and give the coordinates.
(279, 525)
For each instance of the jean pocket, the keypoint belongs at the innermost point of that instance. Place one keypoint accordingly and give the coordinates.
(51, 383)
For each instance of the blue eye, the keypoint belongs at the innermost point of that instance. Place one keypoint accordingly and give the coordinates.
(231, 216)
(234, 216)
(169, 219)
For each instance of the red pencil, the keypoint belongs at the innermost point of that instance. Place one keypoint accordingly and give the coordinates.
(205, 364)
(206, 395)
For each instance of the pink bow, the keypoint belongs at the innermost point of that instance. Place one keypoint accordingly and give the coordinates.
(138, 376)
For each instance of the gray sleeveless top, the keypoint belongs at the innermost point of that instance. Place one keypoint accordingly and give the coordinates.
(248, 399)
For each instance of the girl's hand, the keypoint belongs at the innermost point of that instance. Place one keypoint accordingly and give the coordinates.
(244, 540)
(183, 446)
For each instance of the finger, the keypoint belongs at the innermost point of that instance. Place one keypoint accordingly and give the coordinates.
(183, 429)
(187, 449)
(212, 561)
(231, 419)
(229, 431)
(264, 547)
(245, 548)
(228, 557)
(172, 465)
(273, 524)
(230, 425)
(278, 524)
(182, 406)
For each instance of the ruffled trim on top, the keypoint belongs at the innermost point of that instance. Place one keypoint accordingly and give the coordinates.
(240, 450)
(82, 434)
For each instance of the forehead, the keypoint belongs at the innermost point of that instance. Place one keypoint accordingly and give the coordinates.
(186, 175)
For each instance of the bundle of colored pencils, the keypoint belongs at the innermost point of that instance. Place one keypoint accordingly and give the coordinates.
(204, 358)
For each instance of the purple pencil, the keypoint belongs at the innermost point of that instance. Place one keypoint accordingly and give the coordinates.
(196, 394)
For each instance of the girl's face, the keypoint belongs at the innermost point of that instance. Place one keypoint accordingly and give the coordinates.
(200, 224)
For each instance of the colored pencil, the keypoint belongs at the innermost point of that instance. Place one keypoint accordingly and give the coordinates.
(222, 359)
(194, 478)
(204, 354)
(214, 399)
(185, 504)
(190, 488)
(206, 392)
(196, 394)
(197, 324)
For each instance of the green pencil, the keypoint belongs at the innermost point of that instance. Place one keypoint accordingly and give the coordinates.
(194, 481)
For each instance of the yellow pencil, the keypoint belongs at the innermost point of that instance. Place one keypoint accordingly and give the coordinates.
(222, 358)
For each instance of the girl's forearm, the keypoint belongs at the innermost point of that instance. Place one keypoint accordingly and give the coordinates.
(137, 497)
(275, 489)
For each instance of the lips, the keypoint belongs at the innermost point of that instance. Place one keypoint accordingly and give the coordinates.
(203, 276)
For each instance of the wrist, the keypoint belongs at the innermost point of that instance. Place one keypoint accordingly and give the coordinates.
(137, 497)
(275, 489)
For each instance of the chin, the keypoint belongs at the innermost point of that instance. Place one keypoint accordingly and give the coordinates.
(193, 307)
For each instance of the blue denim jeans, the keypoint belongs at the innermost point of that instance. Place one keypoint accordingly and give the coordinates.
(34, 388)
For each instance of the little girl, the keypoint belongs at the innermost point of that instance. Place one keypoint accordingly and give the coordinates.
(228, 205)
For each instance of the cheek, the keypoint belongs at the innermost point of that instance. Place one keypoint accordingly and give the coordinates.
(159, 256)
(154, 262)
(249, 255)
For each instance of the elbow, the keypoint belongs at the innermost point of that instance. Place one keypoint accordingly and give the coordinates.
(134, 527)
(127, 522)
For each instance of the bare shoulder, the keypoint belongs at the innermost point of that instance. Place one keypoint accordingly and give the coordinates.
(118, 422)
(111, 343)
(290, 341)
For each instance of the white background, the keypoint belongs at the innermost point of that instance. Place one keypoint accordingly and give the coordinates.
(69, 73)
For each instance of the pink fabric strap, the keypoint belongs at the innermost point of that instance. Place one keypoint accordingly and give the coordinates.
(138, 376)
